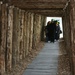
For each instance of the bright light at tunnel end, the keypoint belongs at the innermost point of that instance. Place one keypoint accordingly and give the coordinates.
(60, 21)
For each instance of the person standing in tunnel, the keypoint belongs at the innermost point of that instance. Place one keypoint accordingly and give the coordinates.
(47, 31)
(51, 27)
(57, 34)
(46, 34)
(52, 30)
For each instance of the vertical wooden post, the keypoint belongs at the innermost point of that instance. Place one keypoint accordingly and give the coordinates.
(26, 51)
(73, 33)
(15, 43)
(31, 30)
(22, 34)
(0, 37)
(3, 35)
(43, 22)
(9, 38)
(27, 32)
(28, 16)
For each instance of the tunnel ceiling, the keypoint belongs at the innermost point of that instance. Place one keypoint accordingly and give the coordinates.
(44, 7)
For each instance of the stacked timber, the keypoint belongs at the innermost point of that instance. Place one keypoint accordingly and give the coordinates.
(20, 33)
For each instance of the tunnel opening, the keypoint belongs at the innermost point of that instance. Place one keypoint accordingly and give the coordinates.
(22, 29)
(59, 19)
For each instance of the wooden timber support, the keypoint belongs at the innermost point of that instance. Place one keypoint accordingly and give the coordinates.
(20, 32)
(69, 32)
(3, 36)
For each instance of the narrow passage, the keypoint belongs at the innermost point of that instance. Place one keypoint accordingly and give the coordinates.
(46, 63)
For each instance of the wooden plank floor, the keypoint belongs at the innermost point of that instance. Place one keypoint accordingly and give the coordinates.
(46, 63)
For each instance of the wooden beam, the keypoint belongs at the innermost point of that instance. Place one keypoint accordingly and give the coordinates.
(40, 0)
(38, 5)
(46, 11)
(32, 3)
(42, 9)
(6, 1)
(48, 7)
(42, 4)
(51, 15)
(66, 4)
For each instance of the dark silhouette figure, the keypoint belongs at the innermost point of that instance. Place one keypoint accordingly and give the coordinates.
(51, 27)
(46, 33)
(57, 31)
(52, 31)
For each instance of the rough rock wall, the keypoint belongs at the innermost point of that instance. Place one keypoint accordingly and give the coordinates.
(67, 28)
(69, 32)
(3, 34)
(20, 32)
(72, 17)
(36, 30)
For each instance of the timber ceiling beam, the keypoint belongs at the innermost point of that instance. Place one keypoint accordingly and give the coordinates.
(35, 6)
(6, 1)
(39, 5)
(43, 7)
(40, 0)
(45, 11)
(51, 15)
(36, 9)
(49, 12)
(32, 3)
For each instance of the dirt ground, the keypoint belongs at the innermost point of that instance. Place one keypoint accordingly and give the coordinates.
(63, 62)
(20, 67)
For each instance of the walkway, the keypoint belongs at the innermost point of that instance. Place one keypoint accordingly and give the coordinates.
(46, 62)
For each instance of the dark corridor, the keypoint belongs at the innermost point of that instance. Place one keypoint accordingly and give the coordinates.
(22, 29)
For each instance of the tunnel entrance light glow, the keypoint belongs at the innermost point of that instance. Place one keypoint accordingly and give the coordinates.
(59, 20)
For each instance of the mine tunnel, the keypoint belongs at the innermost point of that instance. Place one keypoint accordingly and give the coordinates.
(22, 31)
